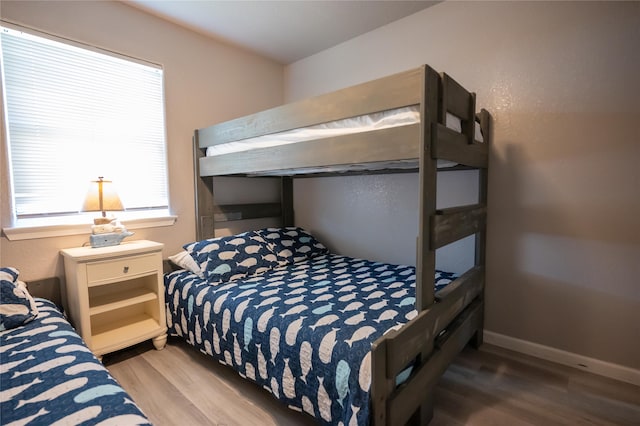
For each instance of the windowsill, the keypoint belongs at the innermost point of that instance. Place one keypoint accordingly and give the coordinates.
(44, 228)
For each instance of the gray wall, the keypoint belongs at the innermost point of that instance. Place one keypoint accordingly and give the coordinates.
(376, 217)
(561, 80)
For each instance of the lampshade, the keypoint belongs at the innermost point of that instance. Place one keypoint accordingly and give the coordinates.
(101, 197)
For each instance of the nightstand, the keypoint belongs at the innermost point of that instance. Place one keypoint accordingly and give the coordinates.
(115, 295)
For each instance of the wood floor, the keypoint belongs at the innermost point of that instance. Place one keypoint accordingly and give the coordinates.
(492, 386)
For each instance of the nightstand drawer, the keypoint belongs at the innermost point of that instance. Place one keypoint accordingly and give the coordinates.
(121, 268)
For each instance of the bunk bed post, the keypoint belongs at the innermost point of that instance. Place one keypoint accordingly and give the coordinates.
(469, 126)
(426, 255)
(286, 199)
(381, 385)
(481, 237)
(205, 226)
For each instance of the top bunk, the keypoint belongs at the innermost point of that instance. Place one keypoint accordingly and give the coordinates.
(392, 124)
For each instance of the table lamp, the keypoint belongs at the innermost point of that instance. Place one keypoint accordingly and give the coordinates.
(102, 197)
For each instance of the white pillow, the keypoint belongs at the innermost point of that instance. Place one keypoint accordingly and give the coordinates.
(185, 261)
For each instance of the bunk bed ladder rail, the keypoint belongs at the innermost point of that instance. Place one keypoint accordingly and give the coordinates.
(449, 320)
(442, 94)
(452, 224)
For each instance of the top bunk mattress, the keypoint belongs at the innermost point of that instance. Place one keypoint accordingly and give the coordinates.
(377, 125)
(364, 123)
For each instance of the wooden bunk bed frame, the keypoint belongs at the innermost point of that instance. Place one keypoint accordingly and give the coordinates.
(448, 320)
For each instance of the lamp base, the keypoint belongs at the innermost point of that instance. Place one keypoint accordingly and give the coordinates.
(108, 239)
(102, 220)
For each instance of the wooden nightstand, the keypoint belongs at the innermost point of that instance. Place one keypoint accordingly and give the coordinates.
(115, 295)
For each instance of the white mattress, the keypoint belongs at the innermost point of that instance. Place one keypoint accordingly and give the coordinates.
(364, 123)
(368, 167)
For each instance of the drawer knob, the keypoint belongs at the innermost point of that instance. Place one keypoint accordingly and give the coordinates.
(125, 269)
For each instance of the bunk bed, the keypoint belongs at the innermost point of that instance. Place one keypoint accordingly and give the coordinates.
(405, 360)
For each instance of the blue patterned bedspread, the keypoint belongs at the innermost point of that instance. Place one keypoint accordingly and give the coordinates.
(302, 331)
(48, 376)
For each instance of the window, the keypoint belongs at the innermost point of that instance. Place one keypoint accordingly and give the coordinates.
(75, 113)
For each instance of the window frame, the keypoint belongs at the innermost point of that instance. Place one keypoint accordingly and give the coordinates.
(52, 225)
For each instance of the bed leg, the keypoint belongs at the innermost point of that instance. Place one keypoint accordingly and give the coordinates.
(477, 338)
(160, 342)
(426, 410)
(424, 414)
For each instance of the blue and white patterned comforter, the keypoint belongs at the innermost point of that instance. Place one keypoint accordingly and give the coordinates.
(302, 331)
(49, 377)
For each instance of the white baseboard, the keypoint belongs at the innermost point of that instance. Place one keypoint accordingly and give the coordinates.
(592, 365)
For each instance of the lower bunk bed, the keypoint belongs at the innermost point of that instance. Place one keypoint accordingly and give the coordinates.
(303, 323)
(48, 376)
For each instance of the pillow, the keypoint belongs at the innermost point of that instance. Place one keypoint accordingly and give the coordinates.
(9, 274)
(228, 258)
(17, 307)
(185, 261)
(292, 244)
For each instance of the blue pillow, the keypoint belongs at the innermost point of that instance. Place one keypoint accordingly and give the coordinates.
(17, 307)
(292, 244)
(9, 274)
(236, 256)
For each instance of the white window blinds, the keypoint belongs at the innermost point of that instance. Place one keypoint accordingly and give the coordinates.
(74, 114)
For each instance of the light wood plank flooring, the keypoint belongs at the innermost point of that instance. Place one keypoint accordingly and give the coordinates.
(492, 386)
